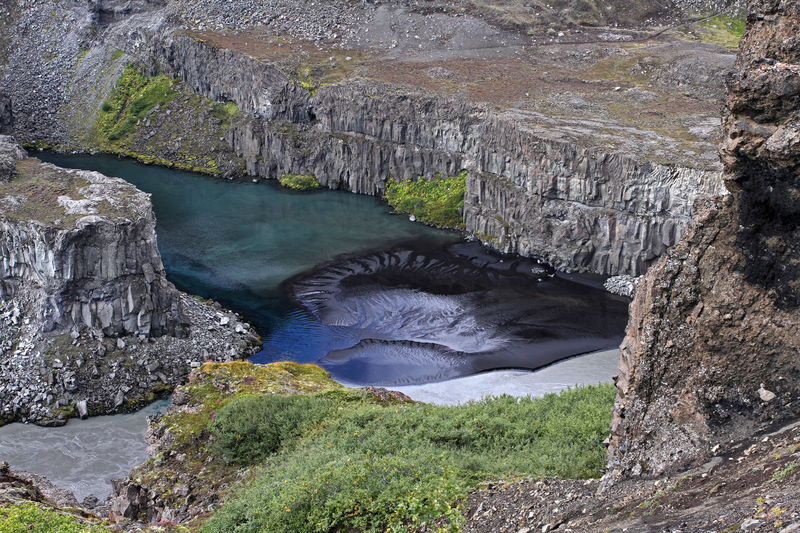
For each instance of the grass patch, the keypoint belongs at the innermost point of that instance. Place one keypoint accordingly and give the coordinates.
(438, 201)
(723, 30)
(350, 462)
(134, 96)
(225, 112)
(299, 182)
(35, 518)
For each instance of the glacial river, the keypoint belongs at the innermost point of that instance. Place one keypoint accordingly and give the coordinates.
(336, 279)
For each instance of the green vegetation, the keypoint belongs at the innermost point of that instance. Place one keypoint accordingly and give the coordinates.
(437, 201)
(299, 182)
(35, 518)
(134, 97)
(723, 30)
(225, 112)
(345, 460)
(786, 472)
(250, 428)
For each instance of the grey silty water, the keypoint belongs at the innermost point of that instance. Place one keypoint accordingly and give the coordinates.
(82, 456)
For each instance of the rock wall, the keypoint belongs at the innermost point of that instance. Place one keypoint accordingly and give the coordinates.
(530, 192)
(581, 208)
(714, 333)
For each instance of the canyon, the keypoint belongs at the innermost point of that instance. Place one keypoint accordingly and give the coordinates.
(591, 146)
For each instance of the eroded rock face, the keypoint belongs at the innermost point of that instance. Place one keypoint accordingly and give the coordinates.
(714, 332)
(6, 114)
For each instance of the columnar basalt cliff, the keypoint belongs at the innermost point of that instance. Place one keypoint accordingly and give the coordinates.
(587, 192)
(530, 191)
(712, 348)
(83, 245)
(89, 323)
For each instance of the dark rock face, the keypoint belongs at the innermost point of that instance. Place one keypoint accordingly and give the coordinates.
(6, 114)
(713, 337)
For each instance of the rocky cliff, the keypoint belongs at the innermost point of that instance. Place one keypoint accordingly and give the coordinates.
(711, 353)
(582, 180)
(82, 246)
(88, 321)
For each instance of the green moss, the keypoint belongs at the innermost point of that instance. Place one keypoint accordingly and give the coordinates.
(36, 518)
(723, 30)
(438, 201)
(226, 111)
(299, 182)
(134, 96)
(786, 472)
(117, 54)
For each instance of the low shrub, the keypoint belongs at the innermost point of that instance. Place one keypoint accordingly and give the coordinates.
(354, 464)
(250, 428)
(438, 201)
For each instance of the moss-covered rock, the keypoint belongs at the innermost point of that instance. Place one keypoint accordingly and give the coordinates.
(299, 182)
(438, 201)
(157, 121)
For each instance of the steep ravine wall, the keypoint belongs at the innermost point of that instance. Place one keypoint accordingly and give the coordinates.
(581, 208)
(711, 353)
(89, 261)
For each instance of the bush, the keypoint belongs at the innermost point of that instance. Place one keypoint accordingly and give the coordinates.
(299, 182)
(250, 428)
(358, 465)
(438, 201)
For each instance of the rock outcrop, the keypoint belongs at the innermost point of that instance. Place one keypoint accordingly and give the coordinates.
(81, 248)
(530, 192)
(714, 334)
(89, 323)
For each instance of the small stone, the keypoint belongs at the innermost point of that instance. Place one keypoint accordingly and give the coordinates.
(83, 410)
(120, 344)
(765, 395)
(750, 524)
(224, 321)
(119, 399)
(195, 364)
